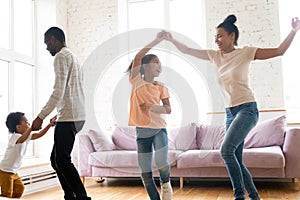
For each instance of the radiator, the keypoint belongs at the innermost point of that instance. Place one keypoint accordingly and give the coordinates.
(39, 180)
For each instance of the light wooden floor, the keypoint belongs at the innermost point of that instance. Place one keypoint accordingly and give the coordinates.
(132, 189)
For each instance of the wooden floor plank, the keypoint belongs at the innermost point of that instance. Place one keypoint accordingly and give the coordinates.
(132, 189)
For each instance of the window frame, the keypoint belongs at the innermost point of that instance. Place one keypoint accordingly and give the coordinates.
(13, 57)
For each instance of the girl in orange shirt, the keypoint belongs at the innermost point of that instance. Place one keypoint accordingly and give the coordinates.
(145, 114)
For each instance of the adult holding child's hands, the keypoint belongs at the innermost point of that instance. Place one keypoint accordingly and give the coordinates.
(37, 124)
(68, 98)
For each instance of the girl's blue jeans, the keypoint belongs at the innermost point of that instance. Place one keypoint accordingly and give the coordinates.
(239, 121)
(147, 140)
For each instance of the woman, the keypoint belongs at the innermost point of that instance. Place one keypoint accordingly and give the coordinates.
(241, 108)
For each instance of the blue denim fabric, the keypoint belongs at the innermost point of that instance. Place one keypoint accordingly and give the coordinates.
(147, 139)
(239, 121)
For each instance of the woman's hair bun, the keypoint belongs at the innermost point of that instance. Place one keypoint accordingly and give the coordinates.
(230, 19)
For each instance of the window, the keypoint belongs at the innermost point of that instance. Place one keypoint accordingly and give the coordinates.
(23, 26)
(16, 63)
(179, 75)
(145, 14)
(291, 70)
(3, 104)
(23, 88)
(4, 23)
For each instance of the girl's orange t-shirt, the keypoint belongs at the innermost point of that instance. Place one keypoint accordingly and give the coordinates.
(145, 92)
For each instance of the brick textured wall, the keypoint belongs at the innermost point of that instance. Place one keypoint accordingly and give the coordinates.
(90, 23)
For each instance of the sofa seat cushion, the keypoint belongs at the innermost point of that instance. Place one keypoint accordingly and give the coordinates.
(266, 157)
(116, 158)
(200, 158)
(119, 159)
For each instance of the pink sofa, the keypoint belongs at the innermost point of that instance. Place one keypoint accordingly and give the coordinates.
(271, 151)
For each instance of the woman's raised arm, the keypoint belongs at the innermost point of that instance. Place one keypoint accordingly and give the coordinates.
(266, 53)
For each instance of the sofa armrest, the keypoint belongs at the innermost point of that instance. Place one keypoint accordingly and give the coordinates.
(85, 147)
(291, 150)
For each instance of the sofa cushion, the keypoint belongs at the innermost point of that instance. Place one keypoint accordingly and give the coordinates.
(210, 136)
(100, 140)
(123, 158)
(124, 137)
(267, 133)
(253, 158)
(183, 138)
(264, 157)
(200, 158)
(116, 158)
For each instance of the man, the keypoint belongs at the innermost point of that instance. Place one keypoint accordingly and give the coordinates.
(68, 98)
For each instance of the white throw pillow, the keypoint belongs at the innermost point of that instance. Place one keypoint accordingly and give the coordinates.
(101, 141)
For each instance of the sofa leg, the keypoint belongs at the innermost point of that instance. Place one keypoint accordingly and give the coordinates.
(100, 180)
(82, 179)
(181, 182)
(297, 183)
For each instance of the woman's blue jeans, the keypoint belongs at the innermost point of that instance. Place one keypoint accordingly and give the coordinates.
(147, 139)
(239, 121)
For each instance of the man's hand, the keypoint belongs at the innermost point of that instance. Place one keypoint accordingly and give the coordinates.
(37, 124)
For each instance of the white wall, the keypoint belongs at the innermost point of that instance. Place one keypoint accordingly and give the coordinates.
(89, 24)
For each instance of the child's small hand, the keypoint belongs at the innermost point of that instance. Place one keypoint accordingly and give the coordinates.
(53, 121)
